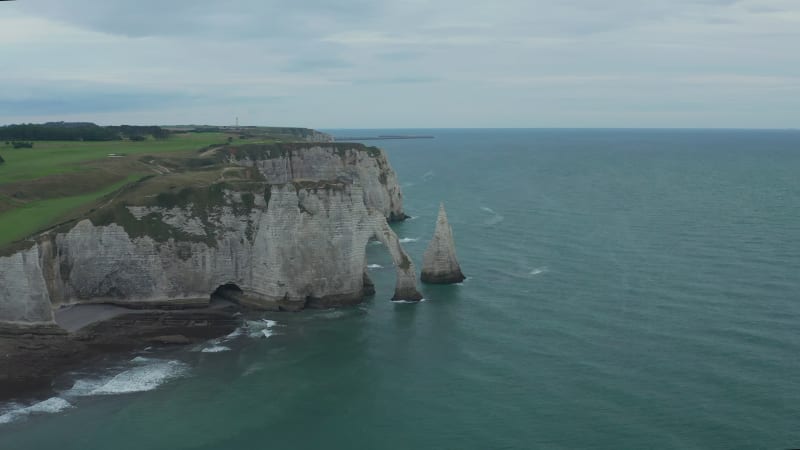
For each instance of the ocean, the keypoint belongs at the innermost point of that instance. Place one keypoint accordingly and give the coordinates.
(627, 289)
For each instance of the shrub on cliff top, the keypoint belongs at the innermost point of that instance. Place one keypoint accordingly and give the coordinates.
(1, 159)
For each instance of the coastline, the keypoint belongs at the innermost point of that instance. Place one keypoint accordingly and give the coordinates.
(31, 358)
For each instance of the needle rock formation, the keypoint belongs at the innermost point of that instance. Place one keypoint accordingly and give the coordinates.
(440, 265)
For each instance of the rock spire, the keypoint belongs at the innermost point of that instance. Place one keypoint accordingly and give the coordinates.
(440, 265)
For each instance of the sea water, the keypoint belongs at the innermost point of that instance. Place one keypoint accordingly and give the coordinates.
(626, 289)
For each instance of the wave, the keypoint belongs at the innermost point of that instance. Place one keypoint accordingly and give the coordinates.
(538, 270)
(497, 218)
(428, 175)
(408, 301)
(374, 266)
(375, 243)
(407, 240)
(215, 349)
(260, 328)
(50, 406)
(462, 283)
(150, 374)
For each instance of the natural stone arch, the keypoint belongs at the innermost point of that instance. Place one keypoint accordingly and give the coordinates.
(406, 279)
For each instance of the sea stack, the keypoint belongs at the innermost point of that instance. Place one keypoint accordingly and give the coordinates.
(439, 265)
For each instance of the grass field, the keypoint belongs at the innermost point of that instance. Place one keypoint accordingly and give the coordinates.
(34, 216)
(54, 181)
(49, 158)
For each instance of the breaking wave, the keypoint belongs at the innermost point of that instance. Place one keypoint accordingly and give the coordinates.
(374, 266)
(215, 349)
(408, 301)
(148, 375)
(259, 328)
(16, 411)
(407, 240)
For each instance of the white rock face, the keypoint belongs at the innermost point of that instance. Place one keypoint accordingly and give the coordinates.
(302, 245)
(367, 167)
(23, 293)
(439, 264)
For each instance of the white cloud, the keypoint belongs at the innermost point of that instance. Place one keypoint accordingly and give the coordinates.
(409, 63)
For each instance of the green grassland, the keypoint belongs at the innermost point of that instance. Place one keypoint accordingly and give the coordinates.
(57, 181)
(20, 222)
(53, 157)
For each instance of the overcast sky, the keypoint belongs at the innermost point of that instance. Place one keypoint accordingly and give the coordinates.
(413, 63)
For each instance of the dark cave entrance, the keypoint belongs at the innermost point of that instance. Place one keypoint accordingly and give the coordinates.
(228, 291)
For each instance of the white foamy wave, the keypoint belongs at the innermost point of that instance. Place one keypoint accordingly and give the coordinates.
(408, 302)
(374, 266)
(407, 240)
(497, 218)
(538, 270)
(260, 328)
(412, 217)
(375, 243)
(428, 175)
(235, 333)
(215, 349)
(150, 374)
(49, 406)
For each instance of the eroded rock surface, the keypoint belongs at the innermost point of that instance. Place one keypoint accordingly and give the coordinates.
(440, 265)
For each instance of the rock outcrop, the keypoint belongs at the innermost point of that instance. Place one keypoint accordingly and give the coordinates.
(440, 265)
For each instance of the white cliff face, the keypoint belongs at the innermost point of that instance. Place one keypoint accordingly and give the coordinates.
(23, 293)
(367, 167)
(439, 262)
(299, 245)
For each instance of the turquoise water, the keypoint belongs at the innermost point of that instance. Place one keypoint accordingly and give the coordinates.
(627, 289)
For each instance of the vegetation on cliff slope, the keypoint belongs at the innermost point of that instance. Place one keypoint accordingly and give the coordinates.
(60, 180)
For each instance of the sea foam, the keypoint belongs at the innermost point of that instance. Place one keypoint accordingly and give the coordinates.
(215, 349)
(146, 376)
(260, 328)
(50, 406)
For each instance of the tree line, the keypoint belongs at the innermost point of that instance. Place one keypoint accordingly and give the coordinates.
(79, 131)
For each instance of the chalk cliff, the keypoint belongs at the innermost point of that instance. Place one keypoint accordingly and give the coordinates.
(439, 264)
(348, 162)
(278, 241)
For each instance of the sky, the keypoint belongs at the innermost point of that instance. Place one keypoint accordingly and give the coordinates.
(403, 63)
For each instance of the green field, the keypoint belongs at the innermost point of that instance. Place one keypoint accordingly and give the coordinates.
(56, 181)
(53, 157)
(21, 222)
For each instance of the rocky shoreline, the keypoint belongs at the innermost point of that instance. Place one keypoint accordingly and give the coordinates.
(32, 357)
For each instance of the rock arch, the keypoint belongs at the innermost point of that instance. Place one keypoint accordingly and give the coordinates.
(406, 279)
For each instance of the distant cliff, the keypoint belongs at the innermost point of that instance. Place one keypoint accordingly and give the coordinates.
(282, 227)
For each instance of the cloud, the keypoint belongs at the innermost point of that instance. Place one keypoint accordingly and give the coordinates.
(408, 63)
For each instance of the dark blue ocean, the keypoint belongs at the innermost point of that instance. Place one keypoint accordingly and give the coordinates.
(628, 289)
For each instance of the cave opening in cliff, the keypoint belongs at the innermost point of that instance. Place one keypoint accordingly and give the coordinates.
(228, 291)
